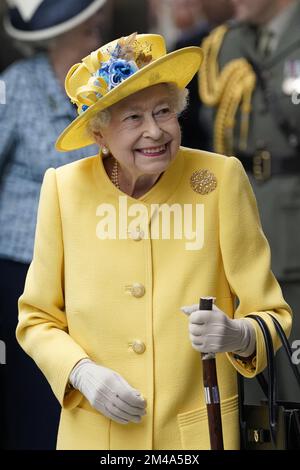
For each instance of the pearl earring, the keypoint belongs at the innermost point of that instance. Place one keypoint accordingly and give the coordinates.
(105, 150)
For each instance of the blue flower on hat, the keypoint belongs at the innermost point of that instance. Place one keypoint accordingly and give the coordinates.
(103, 72)
(120, 70)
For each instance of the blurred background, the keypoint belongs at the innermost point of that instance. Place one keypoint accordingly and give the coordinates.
(172, 18)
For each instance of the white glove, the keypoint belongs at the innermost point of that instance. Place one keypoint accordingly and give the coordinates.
(212, 331)
(108, 392)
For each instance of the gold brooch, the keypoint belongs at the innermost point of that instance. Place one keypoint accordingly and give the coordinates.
(203, 181)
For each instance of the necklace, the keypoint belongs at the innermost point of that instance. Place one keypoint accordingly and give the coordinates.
(115, 174)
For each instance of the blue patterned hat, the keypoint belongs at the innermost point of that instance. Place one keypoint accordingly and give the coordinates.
(38, 20)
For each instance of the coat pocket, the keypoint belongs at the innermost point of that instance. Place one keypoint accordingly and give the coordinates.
(193, 427)
(80, 429)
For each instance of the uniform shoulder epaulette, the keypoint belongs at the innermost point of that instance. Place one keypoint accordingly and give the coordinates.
(228, 89)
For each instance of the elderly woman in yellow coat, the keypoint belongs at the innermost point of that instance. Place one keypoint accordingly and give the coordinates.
(126, 238)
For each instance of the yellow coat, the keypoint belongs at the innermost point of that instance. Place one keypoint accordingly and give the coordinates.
(118, 301)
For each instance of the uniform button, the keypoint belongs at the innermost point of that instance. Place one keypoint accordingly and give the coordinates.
(138, 347)
(137, 290)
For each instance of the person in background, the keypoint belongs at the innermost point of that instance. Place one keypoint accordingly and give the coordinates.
(36, 110)
(109, 331)
(217, 12)
(8, 52)
(249, 82)
(187, 16)
(196, 18)
(160, 20)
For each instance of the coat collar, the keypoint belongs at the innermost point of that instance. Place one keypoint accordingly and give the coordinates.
(158, 194)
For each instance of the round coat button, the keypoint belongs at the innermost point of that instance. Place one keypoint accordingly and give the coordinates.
(138, 347)
(137, 290)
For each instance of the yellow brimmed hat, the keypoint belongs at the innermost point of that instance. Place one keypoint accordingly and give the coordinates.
(117, 70)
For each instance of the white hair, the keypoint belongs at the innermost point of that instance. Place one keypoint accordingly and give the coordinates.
(179, 102)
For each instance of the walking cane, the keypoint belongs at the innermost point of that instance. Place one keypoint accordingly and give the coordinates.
(212, 396)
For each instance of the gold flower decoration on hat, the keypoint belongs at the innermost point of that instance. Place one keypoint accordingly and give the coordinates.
(106, 71)
(203, 181)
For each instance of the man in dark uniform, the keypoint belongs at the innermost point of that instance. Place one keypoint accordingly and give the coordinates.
(252, 93)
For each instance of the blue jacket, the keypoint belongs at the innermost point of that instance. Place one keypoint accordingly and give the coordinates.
(36, 111)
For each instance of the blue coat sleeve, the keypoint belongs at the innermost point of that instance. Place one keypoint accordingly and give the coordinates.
(11, 93)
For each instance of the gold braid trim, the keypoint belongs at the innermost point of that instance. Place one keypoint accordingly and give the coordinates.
(228, 90)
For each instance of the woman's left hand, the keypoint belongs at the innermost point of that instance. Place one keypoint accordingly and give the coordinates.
(212, 331)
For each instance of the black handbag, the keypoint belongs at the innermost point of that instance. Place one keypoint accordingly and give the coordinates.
(273, 424)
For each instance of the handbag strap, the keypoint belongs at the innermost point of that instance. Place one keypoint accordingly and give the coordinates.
(272, 376)
(269, 388)
(269, 391)
(287, 348)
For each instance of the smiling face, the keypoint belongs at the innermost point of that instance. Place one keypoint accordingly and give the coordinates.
(143, 133)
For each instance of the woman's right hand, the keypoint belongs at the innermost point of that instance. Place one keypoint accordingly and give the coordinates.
(108, 392)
